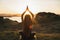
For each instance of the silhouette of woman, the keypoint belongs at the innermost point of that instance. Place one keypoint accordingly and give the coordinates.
(27, 25)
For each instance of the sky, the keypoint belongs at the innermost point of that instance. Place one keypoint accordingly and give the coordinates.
(18, 6)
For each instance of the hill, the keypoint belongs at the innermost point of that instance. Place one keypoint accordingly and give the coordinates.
(47, 22)
(7, 24)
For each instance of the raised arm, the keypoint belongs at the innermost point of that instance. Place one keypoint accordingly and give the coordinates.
(27, 9)
(22, 15)
(31, 13)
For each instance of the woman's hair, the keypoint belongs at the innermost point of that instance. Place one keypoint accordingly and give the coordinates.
(27, 20)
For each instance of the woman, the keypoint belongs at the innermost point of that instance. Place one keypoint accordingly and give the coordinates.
(27, 27)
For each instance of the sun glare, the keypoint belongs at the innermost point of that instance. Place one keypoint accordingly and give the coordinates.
(30, 6)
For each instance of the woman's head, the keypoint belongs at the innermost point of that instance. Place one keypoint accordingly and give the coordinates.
(27, 20)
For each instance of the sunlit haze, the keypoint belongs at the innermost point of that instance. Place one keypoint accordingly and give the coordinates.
(35, 6)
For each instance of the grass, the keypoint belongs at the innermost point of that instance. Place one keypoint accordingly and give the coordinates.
(53, 36)
(14, 35)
